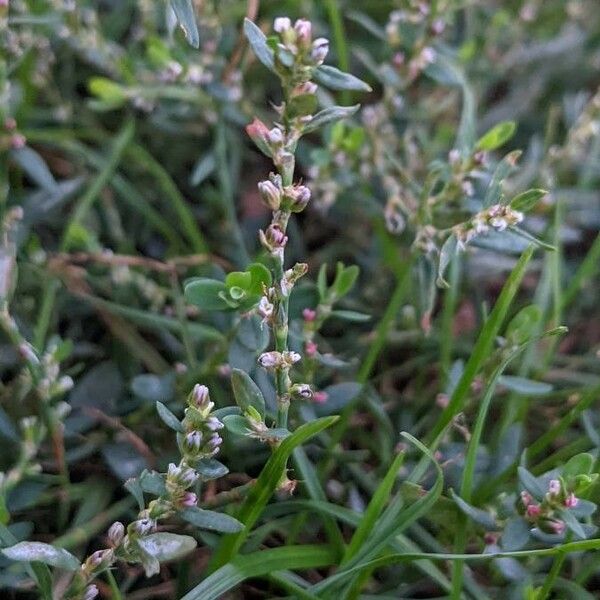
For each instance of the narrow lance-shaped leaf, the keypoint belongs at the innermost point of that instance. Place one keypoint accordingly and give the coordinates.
(168, 417)
(497, 136)
(258, 42)
(338, 80)
(44, 553)
(184, 11)
(209, 519)
(246, 392)
(329, 115)
(527, 200)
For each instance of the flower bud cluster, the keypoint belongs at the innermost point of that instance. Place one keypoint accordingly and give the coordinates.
(296, 42)
(200, 438)
(278, 360)
(497, 217)
(545, 514)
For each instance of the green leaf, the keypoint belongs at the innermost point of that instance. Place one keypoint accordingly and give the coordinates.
(531, 238)
(184, 11)
(260, 277)
(165, 546)
(350, 315)
(240, 279)
(154, 388)
(572, 523)
(447, 253)
(134, 487)
(497, 136)
(258, 564)
(258, 42)
(525, 201)
(246, 392)
(204, 293)
(505, 167)
(329, 115)
(344, 279)
(522, 385)
(266, 484)
(516, 534)
(531, 483)
(34, 166)
(236, 424)
(108, 91)
(524, 324)
(376, 505)
(44, 553)
(580, 464)
(169, 419)
(481, 517)
(152, 482)
(209, 519)
(338, 80)
(211, 468)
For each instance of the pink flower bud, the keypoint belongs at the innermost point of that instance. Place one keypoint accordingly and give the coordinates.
(320, 397)
(533, 511)
(526, 498)
(269, 360)
(189, 499)
(259, 133)
(554, 487)
(303, 29)
(91, 591)
(310, 349)
(116, 533)
(320, 48)
(193, 441)
(17, 141)
(309, 315)
(282, 24)
(270, 194)
(571, 501)
(9, 123)
(265, 308)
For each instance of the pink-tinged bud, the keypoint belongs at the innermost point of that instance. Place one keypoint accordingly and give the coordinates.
(454, 156)
(91, 591)
(301, 391)
(309, 315)
(399, 59)
(300, 196)
(438, 26)
(554, 487)
(193, 441)
(17, 141)
(571, 501)
(189, 499)
(282, 24)
(310, 349)
(3, 3)
(320, 49)
(9, 123)
(200, 398)
(270, 194)
(259, 133)
(275, 136)
(290, 358)
(143, 526)
(213, 444)
(116, 532)
(526, 498)
(480, 157)
(273, 239)
(320, 397)
(265, 308)
(533, 511)
(555, 526)
(270, 360)
(213, 424)
(308, 87)
(303, 29)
